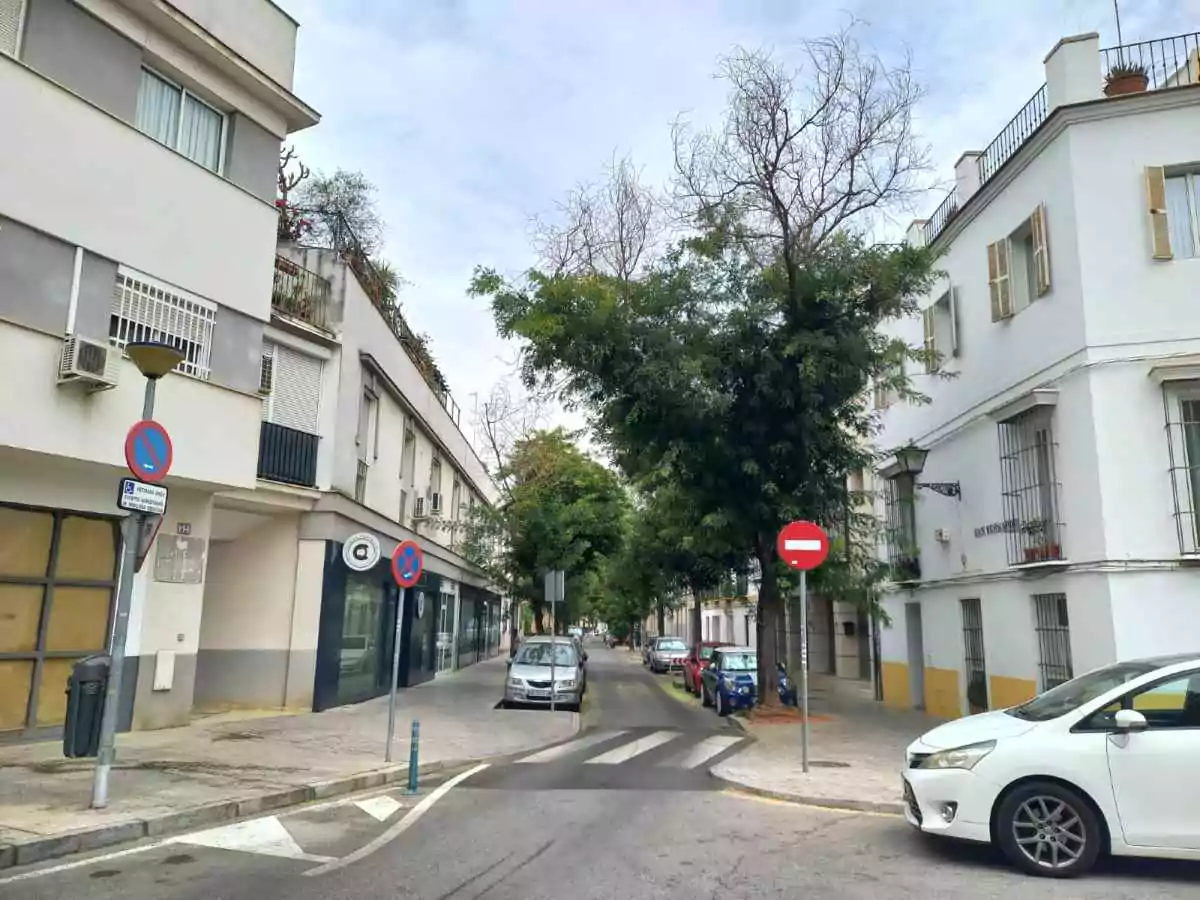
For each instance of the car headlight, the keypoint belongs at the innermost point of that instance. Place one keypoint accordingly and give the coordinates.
(960, 757)
(729, 682)
(516, 683)
(565, 685)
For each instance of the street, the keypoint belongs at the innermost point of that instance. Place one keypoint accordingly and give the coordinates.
(624, 809)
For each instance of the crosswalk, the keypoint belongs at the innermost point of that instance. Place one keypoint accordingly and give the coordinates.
(612, 747)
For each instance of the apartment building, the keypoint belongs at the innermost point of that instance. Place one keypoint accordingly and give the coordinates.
(359, 436)
(136, 203)
(1040, 511)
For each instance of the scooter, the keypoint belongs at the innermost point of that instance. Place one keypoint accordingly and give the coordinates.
(787, 691)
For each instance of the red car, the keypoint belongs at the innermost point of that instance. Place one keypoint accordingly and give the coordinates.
(697, 659)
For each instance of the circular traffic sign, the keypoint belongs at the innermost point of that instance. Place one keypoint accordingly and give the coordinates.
(361, 552)
(148, 451)
(407, 563)
(420, 604)
(802, 545)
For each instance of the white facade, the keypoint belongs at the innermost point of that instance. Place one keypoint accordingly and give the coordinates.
(1056, 408)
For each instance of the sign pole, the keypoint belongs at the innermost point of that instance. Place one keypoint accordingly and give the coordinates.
(391, 732)
(804, 671)
(553, 634)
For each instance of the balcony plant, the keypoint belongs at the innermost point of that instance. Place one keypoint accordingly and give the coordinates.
(906, 567)
(1043, 552)
(1126, 78)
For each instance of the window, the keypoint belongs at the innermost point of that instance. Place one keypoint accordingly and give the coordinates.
(146, 310)
(900, 517)
(455, 500)
(360, 481)
(368, 424)
(972, 624)
(940, 322)
(1019, 267)
(1174, 703)
(1174, 210)
(1183, 436)
(1029, 487)
(1053, 629)
(182, 121)
(11, 20)
(885, 393)
(435, 476)
(295, 397)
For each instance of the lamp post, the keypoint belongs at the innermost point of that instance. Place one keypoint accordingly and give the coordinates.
(910, 460)
(154, 360)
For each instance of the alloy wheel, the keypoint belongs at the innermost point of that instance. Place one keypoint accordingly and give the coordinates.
(1049, 831)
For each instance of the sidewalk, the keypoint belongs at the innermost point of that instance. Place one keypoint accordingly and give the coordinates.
(856, 751)
(224, 767)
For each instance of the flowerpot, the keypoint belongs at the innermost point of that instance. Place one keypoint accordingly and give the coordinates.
(1133, 83)
(1042, 553)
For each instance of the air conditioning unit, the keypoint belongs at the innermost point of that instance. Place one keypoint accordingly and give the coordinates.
(942, 535)
(419, 508)
(87, 362)
(435, 503)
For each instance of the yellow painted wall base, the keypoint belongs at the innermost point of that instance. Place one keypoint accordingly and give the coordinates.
(1006, 692)
(941, 693)
(896, 691)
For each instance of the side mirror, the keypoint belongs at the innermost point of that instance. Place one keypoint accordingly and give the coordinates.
(508, 662)
(1130, 720)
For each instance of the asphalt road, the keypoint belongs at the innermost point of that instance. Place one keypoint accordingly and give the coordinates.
(622, 816)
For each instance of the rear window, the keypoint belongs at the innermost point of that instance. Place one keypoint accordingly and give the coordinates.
(706, 652)
(671, 644)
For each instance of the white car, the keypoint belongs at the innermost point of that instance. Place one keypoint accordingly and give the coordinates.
(1105, 762)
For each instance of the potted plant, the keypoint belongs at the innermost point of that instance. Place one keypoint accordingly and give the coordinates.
(1043, 553)
(1126, 78)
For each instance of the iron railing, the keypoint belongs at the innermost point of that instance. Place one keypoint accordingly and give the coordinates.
(941, 217)
(1053, 628)
(1167, 62)
(1029, 488)
(287, 455)
(1027, 120)
(977, 688)
(300, 293)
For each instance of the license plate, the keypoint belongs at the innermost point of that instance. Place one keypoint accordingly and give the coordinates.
(537, 693)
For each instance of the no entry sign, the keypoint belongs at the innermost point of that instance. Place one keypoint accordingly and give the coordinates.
(802, 545)
(407, 563)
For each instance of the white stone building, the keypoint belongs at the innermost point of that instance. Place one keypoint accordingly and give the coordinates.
(1047, 522)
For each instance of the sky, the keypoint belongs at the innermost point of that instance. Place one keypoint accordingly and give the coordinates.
(473, 116)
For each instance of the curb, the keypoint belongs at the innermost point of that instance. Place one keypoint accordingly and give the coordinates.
(884, 807)
(80, 840)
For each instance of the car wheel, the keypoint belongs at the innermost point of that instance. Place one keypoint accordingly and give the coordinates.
(722, 709)
(1049, 830)
(705, 700)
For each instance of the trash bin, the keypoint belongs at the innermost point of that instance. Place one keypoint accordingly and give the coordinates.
(86, 687)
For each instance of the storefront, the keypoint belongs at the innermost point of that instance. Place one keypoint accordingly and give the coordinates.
(58, 573)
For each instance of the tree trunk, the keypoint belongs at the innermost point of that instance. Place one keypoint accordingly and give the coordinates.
(697, 619)
(662, 617)
(769, 616)
(538, 624)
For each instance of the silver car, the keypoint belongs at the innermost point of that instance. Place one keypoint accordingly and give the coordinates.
(667, 653)
(528, 681)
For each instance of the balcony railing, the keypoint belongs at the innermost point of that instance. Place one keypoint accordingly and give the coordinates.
(287, 455)
(941, 216)
(1014, 134)
(1168, 62)
(301, 294)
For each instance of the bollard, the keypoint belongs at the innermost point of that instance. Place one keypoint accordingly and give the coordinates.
(414, 756)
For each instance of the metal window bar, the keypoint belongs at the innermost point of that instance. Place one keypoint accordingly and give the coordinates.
(1169, 62)
(900, 530)
(1027, 120)
(360, 481)
(145, 311)
(1053, 629)
(1182, 416)
(976, 670)
(1030, 489)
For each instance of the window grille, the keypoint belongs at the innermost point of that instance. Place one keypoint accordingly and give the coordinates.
(900, 533)
(146, 310)
(1183, 446)
(360, 481)
(977, 689)
(1029, 488)
(1053, 630)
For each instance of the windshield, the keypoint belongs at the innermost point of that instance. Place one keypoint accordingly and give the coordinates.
(706, 652)
(538, 654)
(671, 644)
(739, 662)
(1070, 695)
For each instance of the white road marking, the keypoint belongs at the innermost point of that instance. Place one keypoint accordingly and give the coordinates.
(704, 751)
(633, 748)
(802, 545)
(400, 827)
(265, 837)
(381, 808)
(552, 753)
(80, 863)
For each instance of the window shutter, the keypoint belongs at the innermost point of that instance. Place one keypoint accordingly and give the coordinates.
(296, 389)
(954, 321)
(929, 321)
(1041, 249)
(10, 26)
(1156, 197)
(999, 286)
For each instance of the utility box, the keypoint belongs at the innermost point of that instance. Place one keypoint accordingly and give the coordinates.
(86, 688)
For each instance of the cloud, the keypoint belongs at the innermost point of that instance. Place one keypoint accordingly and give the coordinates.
(474, 115)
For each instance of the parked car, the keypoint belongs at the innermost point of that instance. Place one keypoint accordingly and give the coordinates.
(667, 654)
(695, 662)
(1100, 763)
(579, 651)
(528, 681)
(731, 680)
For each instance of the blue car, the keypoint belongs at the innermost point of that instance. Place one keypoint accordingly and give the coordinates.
(731, 680)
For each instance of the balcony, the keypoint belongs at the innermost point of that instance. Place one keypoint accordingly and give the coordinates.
(287, 455)
(300, 294)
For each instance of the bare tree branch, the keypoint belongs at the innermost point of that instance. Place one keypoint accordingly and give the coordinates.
(509, 414)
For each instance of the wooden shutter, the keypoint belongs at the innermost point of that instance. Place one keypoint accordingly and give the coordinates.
(929, 322)
(953, 301)
(1041, 250)
(999, 286)
(1156, 198)
(10, 26)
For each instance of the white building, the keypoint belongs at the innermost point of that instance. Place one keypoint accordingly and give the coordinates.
(1052, 527)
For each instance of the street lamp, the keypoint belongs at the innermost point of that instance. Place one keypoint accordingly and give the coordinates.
(910, 460)
(154, 360)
